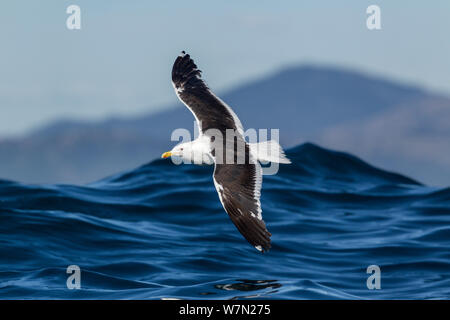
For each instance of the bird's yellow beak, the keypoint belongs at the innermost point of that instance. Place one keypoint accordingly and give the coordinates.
(166, 155)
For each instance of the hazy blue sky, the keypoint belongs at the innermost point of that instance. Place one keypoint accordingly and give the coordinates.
(120, 61)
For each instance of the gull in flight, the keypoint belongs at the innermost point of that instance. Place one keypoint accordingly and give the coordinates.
(237, 173)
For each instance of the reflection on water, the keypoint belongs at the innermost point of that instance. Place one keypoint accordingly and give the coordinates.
(249, 285)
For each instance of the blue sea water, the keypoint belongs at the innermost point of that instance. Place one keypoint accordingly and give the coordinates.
(160, 232)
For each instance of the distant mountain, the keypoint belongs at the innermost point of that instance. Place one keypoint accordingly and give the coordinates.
(395, 126)
(412, 138)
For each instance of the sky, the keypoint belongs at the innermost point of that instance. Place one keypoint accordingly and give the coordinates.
(119, 62)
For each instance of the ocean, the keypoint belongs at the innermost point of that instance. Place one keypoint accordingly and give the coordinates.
(160, 232)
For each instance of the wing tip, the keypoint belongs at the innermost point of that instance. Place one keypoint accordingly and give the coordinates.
(263, 248)
(185, 73)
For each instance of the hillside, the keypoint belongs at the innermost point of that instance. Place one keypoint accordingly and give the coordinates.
(377, 119)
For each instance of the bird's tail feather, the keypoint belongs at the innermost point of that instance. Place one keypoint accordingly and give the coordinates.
(269, 151)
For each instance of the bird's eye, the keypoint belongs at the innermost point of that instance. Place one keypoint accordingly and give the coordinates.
(181, 149)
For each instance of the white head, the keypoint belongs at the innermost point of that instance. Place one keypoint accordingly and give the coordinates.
(182, 150)
(190, 152)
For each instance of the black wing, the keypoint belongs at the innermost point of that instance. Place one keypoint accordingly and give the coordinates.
(209, 111)
(239, 189)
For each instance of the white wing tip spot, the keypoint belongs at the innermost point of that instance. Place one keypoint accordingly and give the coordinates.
(259, 248)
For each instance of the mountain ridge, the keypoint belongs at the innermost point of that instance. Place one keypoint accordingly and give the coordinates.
(307, 103)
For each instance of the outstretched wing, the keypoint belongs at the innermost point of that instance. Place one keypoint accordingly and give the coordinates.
(209, 111)
(239, 189)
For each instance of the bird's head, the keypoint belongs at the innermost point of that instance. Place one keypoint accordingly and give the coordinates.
(182, 150)
(189, 152)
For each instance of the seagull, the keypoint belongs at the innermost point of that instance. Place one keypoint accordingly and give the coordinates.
(237, 173)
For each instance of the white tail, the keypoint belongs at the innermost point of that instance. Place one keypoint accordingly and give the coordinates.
(269, 151)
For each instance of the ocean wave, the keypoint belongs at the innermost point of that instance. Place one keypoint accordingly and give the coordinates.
(160, 232)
